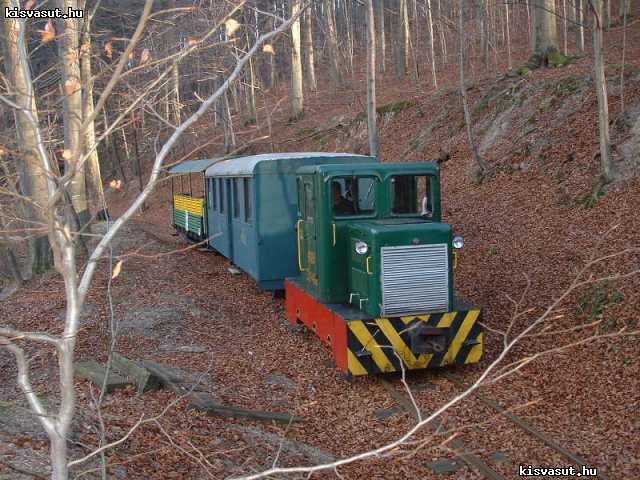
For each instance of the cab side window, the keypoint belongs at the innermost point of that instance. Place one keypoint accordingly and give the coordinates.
(353, 196)
(412, 195)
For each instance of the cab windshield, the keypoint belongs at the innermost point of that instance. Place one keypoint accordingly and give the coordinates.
(353, 195)
(412, 195)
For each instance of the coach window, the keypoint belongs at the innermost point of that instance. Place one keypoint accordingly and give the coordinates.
(247, 200)
(213, 194)
(236, 197)
(353, 196)
(412, 195)
(221, 194)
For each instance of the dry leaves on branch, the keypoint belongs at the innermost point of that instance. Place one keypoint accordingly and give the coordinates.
(49, 32)
(71, 86)
(144, 58)
(231, 27)
(108, 50)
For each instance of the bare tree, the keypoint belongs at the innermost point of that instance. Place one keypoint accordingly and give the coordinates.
(374, 142)
(545, 36)
(297, 99)
(480, 165)
(624, 6)
(68, 46)
(94, 176)
(33, 177)
(579, 8)
(431, 45)
(309, 57)
(332, 42)
(601, 91)
(380, 28)
(508, 27)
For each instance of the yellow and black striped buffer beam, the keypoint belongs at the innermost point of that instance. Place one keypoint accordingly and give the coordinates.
(427, 341)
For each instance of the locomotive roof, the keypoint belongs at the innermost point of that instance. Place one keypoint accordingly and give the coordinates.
(370, 168)
(193, 166)
(246, 165)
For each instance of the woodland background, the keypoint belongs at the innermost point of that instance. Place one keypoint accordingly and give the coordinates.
(532, 109)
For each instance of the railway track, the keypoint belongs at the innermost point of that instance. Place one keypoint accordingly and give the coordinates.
(464, 453)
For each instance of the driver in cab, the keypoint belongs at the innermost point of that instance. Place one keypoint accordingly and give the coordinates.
(341, 205)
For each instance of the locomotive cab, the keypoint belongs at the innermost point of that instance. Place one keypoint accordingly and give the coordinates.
(376, 269)
(370, 236)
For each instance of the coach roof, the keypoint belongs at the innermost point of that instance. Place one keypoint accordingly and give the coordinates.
(246, 165)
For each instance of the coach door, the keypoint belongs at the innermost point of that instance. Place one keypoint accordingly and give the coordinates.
(307, 241)
(220, 221)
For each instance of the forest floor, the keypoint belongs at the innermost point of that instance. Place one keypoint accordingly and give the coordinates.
(528, 228)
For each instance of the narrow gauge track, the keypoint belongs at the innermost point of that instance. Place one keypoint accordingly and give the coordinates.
(463, 452)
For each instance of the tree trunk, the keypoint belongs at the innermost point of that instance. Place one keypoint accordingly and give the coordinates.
(33, 180)
(508, 27)
(250, 74)
(229, 134)
(481, 166)
(381, 32)
(545, 36)
(309, 56)
(484, 34)
(624, 53)
(625, 9)
(177, 106)
(297, 99)
(431, 45)
(443, 38)
(565, 49)
(601, 91)
(580, 27)
(374, 146)
(405, 34)
(72, 109)
(332, 43)
(94, 176)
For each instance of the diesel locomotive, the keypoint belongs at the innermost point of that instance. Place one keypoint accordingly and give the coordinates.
(358, 246)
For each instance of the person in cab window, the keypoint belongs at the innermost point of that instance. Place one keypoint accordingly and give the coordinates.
(341, 205)
(426, 211)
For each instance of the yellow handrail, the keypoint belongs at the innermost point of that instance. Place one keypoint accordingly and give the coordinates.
(298, 236)
(455, 260)
(368, 265)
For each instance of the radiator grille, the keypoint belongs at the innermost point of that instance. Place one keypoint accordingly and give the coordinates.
(415, 279)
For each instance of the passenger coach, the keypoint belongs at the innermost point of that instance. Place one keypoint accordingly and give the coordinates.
(252, 207)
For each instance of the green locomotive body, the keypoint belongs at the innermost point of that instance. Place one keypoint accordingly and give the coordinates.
(376, 269)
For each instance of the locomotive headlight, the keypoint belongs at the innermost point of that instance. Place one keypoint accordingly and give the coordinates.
(458, 242)
(361, 247)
